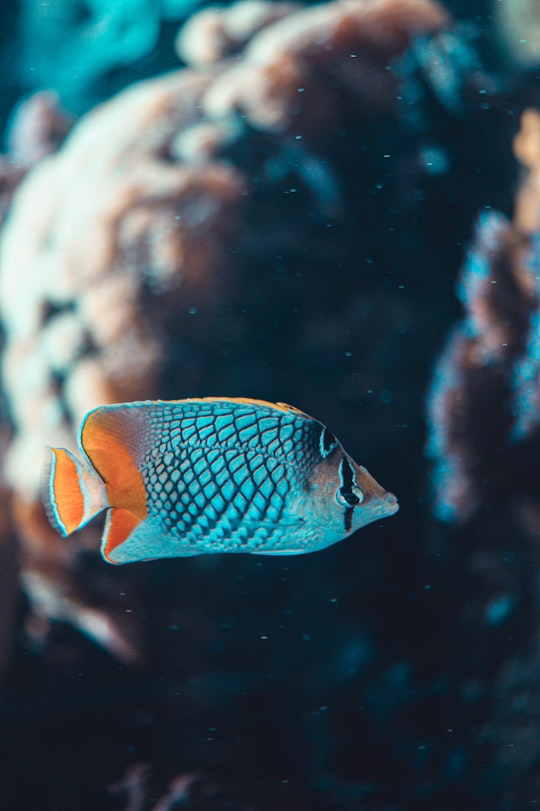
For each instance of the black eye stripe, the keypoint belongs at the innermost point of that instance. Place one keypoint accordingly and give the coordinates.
(348, 480)
(327, 442)
(347, 476)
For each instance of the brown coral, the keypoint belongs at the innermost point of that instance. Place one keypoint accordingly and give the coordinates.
(215, 33)
(140, 224)
(485, 398)
(38, 128)
(280, 83)
(145, 226)
(124, 247)
(323, 279)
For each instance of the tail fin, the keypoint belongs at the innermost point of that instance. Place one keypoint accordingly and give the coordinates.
(72, 493)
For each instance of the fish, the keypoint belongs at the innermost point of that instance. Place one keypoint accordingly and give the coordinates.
(214, 474)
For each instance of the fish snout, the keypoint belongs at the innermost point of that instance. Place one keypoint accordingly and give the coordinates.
(378, 501)
(390, 504)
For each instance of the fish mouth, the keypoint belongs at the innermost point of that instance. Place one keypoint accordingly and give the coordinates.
(389, 504)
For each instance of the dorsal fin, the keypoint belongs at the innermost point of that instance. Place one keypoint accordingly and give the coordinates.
(283, 407)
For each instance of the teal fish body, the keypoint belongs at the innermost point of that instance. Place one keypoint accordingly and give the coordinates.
(208, 475)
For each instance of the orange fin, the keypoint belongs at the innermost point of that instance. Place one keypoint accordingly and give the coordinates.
(113, 439)
(120, 525)
(72, 493)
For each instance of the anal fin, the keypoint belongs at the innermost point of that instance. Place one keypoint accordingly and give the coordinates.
(120, 525)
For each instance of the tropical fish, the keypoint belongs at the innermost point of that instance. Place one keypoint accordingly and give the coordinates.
(216, 474)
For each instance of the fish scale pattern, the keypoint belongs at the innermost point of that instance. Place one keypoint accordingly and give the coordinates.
(223, 473)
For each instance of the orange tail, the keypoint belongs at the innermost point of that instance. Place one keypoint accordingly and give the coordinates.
(72, 493)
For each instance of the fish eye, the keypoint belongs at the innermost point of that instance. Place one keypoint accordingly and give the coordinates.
(350, 499)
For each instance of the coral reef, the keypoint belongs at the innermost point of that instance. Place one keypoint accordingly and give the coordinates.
(123, 282)
(283, 218)
(37, 129)
(218, 32)
(485, 444)
(473, 405)
(282, 83)
(145, 228)
(484, 404)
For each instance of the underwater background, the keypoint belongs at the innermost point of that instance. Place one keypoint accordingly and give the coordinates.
(335, 206)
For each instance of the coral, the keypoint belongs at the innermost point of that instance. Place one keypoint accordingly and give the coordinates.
(37, 129)
(10, 592)
(215, 33)
(527, 151)
(470, 405)
(265, 222)
(282, 84)
(484, 441)
(114, 276)
(485, 399)
(10, 176)
(146, 227)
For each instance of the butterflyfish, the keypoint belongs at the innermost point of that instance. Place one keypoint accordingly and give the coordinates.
(216, 474)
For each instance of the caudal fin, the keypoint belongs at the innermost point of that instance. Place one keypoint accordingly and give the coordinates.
(72, 493)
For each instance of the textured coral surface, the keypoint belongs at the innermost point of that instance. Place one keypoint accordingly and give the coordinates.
(484, 440)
